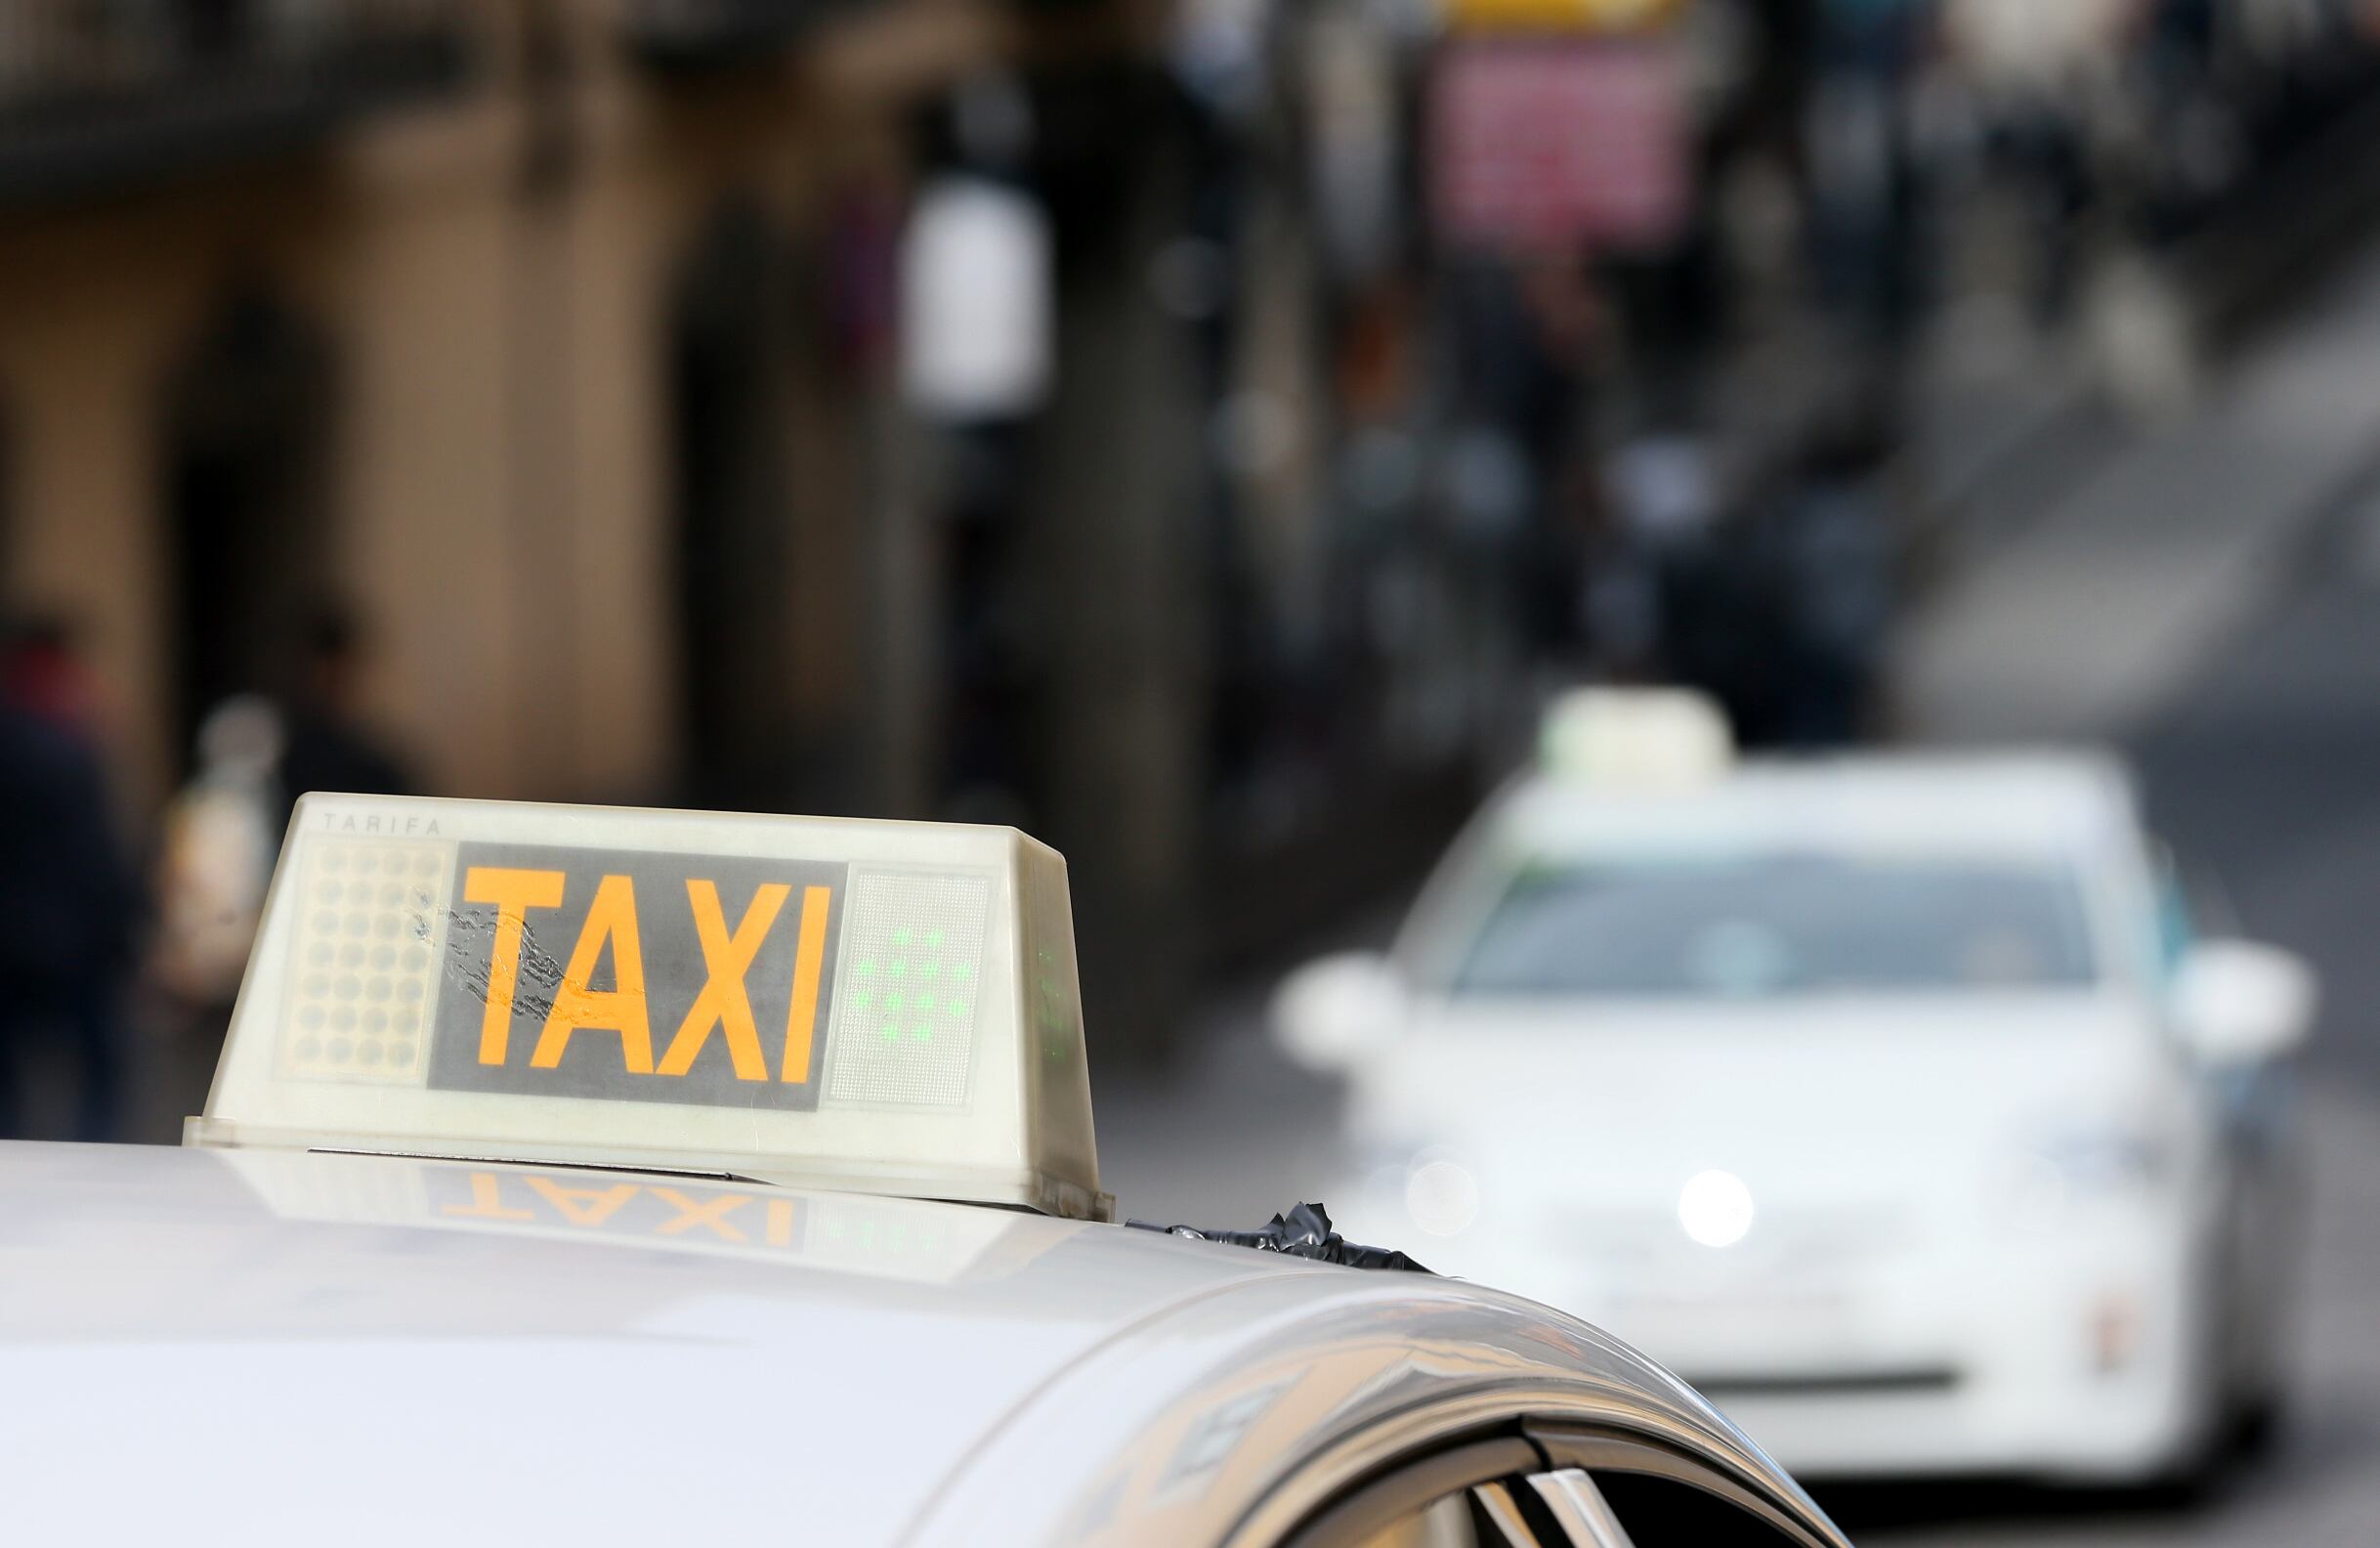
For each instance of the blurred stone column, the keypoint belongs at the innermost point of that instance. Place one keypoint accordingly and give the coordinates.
(900, 676)
(1114, 558)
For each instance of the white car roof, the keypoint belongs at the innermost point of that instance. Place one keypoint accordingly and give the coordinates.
(256, 1346)
(280, 1331)
(2021, 804)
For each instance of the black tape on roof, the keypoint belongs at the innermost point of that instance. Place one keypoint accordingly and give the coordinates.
(1304, 1232)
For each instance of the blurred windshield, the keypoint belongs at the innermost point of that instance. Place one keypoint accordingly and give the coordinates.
(1779, 924)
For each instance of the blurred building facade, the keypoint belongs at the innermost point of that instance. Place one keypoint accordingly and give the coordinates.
(556, 341)
(548, 338)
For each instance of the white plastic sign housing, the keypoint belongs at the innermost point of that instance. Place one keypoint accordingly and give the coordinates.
(875, 1007)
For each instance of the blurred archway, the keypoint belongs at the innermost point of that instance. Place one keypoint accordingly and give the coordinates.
(248, 426)
(732, 326)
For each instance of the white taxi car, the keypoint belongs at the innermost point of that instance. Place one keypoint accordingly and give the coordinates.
(601, 1176)
(1887, 1098)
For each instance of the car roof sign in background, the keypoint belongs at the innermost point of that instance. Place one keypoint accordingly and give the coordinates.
(880, 1007)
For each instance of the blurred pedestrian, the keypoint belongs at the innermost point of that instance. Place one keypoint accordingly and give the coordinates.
(43, 672)
(330, 745)
(1836, 573)
(1662, 494)
(222, 833)
(2046, 76)
(1863, 178)
(71, 908)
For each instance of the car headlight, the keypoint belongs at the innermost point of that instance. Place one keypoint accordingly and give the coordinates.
(1716, 1209)
(2063, 1171)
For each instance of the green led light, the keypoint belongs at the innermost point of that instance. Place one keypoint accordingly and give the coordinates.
(892, 1033)
(904, 936)
(866, 968)
(899, 969)
(962, 970)
(933, 937)
(892, 1000)
(921, 1033)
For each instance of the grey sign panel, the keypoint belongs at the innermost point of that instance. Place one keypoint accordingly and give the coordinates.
(621, 974)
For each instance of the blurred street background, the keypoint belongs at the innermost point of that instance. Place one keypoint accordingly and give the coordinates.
(1203, 434)
(2218, 614)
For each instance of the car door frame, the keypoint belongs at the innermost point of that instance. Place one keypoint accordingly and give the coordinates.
(1414, 1480)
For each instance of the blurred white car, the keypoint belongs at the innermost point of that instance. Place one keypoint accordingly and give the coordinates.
(1890, 1100)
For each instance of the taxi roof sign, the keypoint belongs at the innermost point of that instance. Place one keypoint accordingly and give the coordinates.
(1641, 738)
(877, 1006)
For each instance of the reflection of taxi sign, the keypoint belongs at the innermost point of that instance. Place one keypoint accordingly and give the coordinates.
(1645, 738)
(879, 1007)
(881, 1238)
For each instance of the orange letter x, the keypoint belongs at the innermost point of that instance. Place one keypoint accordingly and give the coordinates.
(690, 1213)
(723, 1002)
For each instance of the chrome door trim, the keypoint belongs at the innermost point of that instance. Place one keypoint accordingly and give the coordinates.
(1570, 1493)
